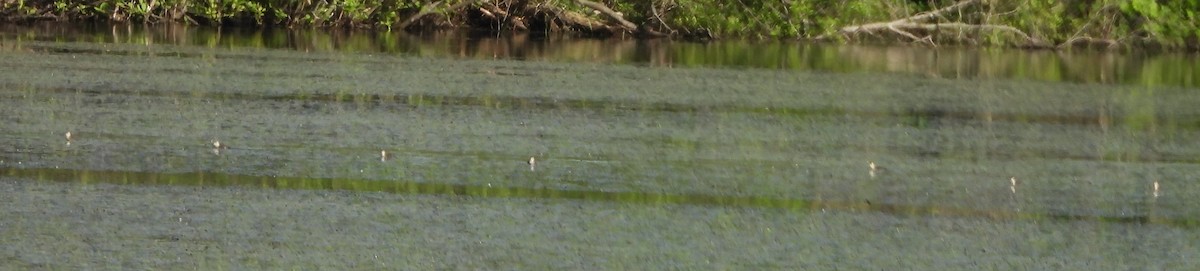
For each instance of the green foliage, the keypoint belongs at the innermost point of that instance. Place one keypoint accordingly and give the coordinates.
(61, 6)
(1172, 22)
(137, 10)
(1038, 18)
(103, 8)
(20, 7)
(388, 18)
(358, 11)
(777, 19)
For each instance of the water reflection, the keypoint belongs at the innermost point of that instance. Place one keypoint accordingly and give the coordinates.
(1083, 66)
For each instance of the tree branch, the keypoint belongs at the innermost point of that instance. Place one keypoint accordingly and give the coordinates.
(918, 22)
(922, 17)
(426, 10)
(615, 16)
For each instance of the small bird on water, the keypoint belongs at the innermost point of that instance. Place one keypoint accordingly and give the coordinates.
(69, 138)
(1013, 184)
(532, 163)
(875, 169)
(218, 146)
(384, 155)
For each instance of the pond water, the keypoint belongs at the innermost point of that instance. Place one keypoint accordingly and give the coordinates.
(649, 155)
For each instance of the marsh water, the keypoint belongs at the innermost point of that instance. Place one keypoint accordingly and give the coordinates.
(388, 151)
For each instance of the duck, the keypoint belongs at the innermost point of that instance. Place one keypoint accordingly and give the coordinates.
(384, 155)
(218, 145)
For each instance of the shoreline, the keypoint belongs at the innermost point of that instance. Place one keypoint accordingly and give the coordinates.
(1108, 25)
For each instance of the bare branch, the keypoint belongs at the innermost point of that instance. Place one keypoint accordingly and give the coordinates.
(904, 26)
(571, 18)
(654, 10)
(923, 17)
(425, 10)
(1084, 40)
(428, 9)
(965, 27)
(615, 16)
(904, 33)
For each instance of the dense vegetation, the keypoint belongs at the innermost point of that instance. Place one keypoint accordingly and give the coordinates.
(1033, 23)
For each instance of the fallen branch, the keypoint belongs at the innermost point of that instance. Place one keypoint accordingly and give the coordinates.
(1089, 41)
(1079, 38)
(964, 27)
(654, 10)
(923, 17)
(920, 17)
(905, 33)
(42, 17)
(502, 17)
(572, 19)
(426, 10)
(615, 16)
(550, 15)
(920, 21)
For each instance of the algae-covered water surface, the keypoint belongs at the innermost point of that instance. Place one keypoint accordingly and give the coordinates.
(353, 160)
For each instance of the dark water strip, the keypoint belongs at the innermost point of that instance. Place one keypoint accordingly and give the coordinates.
(1086, 118)
(214, 179)
(184, 52)
(165, 51)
